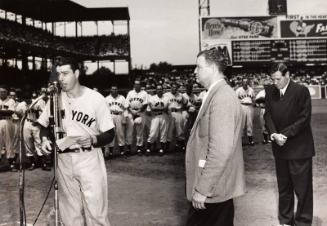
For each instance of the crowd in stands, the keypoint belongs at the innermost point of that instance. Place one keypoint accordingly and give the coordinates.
(113, 45)
(256, 79)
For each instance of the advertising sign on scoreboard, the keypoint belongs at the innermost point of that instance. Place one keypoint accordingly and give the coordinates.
(303, 28)
(213, 28)
(224, 46)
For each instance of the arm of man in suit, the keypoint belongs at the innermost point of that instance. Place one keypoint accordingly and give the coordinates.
(303, 117)
(280, 139)
(221, 140)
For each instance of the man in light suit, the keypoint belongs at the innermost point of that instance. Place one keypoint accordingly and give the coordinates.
(214, 156)
(287, 116)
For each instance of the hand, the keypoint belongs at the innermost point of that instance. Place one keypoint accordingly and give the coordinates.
(279, 138)
(84, 142)
(46, 148)
(198, 201)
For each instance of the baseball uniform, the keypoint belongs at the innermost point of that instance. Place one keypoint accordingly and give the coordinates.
(176, 103)
(7, 129)
(192, 105)
(246, 98)
(82, 176)
(117, 108)
(260, 101)
(159, 122)
(135, 101)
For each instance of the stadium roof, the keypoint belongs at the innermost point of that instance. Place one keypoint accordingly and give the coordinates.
(62, 10)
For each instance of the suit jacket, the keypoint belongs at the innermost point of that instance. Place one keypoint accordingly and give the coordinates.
(214, 156)
(291, 116)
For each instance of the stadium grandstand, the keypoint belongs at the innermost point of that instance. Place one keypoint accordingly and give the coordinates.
(34, 32)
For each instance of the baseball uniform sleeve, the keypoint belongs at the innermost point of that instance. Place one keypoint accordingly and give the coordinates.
(104, 117)
(43, 120)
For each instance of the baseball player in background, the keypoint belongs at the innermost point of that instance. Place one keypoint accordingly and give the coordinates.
(116, 104)
(82, 175)
(158, 105)
(260, 102)
(176, 104)
(192, 106)
(31, 132)
(7, 127)
(247, 98)
(136, 103)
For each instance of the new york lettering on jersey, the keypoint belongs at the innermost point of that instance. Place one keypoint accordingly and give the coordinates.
(82, 118)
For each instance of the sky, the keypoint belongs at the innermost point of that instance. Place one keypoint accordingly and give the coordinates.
(167, 30)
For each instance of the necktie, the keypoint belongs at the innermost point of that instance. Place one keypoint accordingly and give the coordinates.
(281, 94)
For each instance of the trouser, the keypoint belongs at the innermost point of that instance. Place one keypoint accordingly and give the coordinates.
(82, 180)
(9, 134)
(32, 139)
(176, 123)
(295, 177)
(119, 130)
(262, 121)
(215, 214)
(159, 126)
(248, 113)
(137, 123)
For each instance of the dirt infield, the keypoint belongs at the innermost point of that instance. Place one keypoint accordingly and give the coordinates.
(149, 191)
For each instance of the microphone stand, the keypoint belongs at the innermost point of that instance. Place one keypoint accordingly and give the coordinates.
(55, 123)
(22, 214)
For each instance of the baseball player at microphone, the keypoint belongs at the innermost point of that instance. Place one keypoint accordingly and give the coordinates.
(247, 98)
(87, 124)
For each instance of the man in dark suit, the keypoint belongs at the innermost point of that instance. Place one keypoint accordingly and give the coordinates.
(214, 156)
(287, 116)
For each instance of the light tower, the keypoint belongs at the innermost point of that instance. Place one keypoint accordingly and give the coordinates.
(204, 10)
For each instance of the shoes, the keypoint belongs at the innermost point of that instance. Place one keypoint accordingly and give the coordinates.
(139, 152)
(161, 152)
(46, 168)
(32, 167)
(148, 152)
(13, 168)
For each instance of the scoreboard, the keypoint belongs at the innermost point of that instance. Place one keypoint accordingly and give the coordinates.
(294, 50)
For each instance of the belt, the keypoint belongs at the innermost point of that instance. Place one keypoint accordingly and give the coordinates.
(30, 120)
(75, 150)
(116, 113)
(157, 113)
(247, 104)
(5, 117)
(175, 110)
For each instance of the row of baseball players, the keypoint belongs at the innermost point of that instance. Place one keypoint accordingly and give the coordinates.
(159, 116)
(154, 118)
(12, 110)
